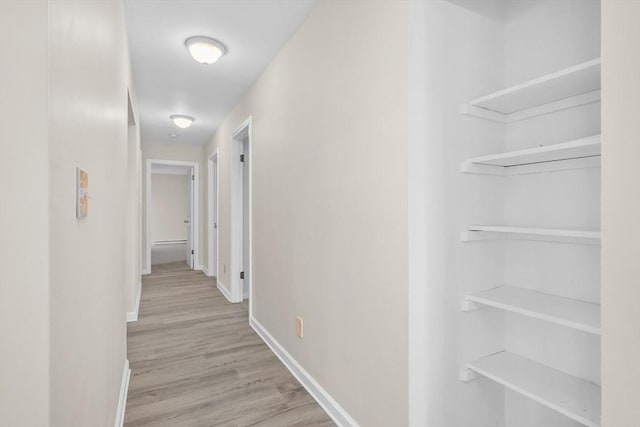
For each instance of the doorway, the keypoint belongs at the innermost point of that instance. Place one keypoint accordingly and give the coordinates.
(241, 224)
(171, 214)
(212, 262)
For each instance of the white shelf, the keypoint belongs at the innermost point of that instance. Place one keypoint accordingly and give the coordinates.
(568, 312)
(577, 85)
(496, 232)
(511, 163)
(573, 397)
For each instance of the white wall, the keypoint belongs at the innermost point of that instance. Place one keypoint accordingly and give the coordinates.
(169, 199)
(24, 222)
(620, 213)
(133, 222)
(88, 121)
(64, 99)
(187, 153)
(455, 49)
(330, 202)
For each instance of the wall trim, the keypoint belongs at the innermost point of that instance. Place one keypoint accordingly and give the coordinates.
(213, 182)
(195, 211)
(236, 255)
(124, 391)
(132, 316)
(330, 406)
(204, 269)
(224, 291)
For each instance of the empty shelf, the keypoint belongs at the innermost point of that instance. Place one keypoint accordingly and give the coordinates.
(492, 232)
(499, 163)
(573, 397)
(563, 89)
(568, 312)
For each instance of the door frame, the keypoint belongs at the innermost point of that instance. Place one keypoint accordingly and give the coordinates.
(243, 131)
(213, 183)
(195, 220)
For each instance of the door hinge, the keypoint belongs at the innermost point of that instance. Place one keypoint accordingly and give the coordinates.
(215, 225)
(193, 177)
(192, 252)
(242, 275)
(242, 158)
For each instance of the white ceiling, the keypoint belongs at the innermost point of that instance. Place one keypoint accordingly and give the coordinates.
(168, 81)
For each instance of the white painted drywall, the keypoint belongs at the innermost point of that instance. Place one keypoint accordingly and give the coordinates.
(329, 161)
(620, 213)
(455, 49)
(133, 221)
(24, 215)
(64, 99)
(187, 153)
(88, 81)
(169, 199)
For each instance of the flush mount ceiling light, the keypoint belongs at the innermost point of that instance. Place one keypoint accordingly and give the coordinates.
(181, 121)
(204, 49)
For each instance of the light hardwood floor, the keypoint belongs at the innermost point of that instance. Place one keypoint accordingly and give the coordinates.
(196, 362)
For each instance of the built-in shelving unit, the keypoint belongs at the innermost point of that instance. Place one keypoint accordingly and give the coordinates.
(498, 232)
(550, 157)
(571, 87)
(568, 312)
(573, 397)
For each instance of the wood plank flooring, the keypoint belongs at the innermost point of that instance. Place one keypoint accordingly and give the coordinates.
(195, 361)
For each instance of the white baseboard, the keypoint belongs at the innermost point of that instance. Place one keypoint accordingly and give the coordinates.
(132, 316)
(224, 291)
(169, 242)
(146, 271)
(122, 399)
(204, 269)
(330, 406)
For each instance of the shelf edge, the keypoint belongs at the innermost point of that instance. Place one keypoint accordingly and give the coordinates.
(520, 233)
(531, 112)
(546, 78)
(531, 395)
(534, 314)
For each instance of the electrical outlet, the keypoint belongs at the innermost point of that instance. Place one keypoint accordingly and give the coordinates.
(299, 327)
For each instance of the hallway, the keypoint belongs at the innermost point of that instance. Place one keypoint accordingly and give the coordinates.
(195, 361)
(313, 213)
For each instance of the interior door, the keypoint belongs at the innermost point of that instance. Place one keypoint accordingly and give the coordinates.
(188, 221)
(246, 236)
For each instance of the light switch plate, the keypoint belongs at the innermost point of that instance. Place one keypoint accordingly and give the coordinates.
(299, 327)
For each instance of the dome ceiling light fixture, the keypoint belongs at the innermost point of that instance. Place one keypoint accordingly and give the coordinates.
(182, 121)
(205, 50)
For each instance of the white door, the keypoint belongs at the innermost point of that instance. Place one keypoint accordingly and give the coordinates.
(246, 236)
(189, 218)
